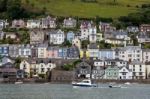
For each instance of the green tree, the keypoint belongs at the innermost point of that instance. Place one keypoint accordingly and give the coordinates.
(85, 43)
(14, 9)
(17, 62)
(66, 43)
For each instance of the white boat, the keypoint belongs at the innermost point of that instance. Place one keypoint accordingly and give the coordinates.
(127, 83)
(19, 82)
(84, 83)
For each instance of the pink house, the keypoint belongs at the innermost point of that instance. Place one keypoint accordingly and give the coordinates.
(52, 52)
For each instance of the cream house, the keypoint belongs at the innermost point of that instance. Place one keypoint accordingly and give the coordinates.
(25, 66)
(42, 51)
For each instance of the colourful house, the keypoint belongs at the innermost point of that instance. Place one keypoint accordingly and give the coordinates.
(112, 72)
(4, 50)
(70, 36)
(84, 53)
(62, 53)
(52, 52)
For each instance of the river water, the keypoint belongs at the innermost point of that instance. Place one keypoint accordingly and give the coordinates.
(64, 91)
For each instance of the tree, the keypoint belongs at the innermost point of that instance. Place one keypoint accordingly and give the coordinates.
(14, 9)
(135, 41)
(67, 43)
(17, 62)
(84, 43)
(68, 67)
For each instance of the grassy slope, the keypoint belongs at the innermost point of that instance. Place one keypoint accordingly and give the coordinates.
(103, 8)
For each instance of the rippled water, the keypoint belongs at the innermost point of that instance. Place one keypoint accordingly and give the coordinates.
(62, 91)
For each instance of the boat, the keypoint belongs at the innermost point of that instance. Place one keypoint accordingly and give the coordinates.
(18, 82)
(84, 83)
(114, 86)
(127, 83)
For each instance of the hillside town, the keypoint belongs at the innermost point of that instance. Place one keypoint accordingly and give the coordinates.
(45, 49)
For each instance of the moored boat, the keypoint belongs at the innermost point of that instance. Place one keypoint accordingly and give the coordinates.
(84, 83)
(19, 82)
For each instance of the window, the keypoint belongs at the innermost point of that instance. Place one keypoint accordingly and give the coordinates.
(42, 69)
(140, 69)
(140, 73)
(123, 73)
(24, 66)
(129, 55)
(140, 66)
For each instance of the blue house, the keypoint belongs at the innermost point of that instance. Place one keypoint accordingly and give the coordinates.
(70, 36)
(62, 53)
(106, 54)
(73, 52)
(4, 50)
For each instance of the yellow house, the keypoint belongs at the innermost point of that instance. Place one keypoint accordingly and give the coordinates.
(84, 53)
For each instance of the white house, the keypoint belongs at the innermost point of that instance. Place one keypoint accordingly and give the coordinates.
(138, 69)
(87, 28)
(117, 37)
(130, 53)
(92, 34)
(146, 55)
(99, 37)
(125, 73)
(76, 42)
(106, 54)
(56, 37)
(143, 38)
(48, 22)
(25, 51)
(25, 66)
(110, 62)
(43, 68)
(3, 24)
(33, 24)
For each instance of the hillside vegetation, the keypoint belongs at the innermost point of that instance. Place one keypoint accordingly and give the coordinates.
(102, 8)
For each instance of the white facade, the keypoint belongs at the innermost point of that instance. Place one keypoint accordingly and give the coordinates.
(99, 37)
(48, 22)
(130, 53)
(124, 73)
(24, 65)
(76, 42)
(33, 24)
(44, 68)
(42, 52)
(146, 55)
(3, 24)
(25, 52)
(84, 33)
(92, 34)
(115, 41)
(138, 70)
(57, 37)
(112, 62)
